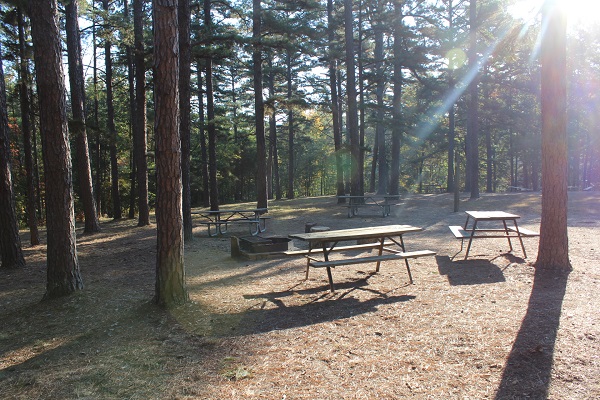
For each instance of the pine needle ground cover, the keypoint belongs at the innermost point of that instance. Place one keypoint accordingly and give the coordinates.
(482, 328)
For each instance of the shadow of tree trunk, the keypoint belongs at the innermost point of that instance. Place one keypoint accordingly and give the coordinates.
(528, 368)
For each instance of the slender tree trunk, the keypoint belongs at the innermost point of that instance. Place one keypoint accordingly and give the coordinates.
(397, 100)
(553, 252)
(132, 117)
(62, 262)
(117, 212)
(291, 150)
(473, 113)
(259, 107)
(11, 253)
(335, 109)
(210, 114)
(361, 102)
(274, 155)
(203, 150)
(139, 134)
(380, 129)
(450, 181)
(170, 271)
(84, 171)
(185, 109)
(26, 128)
(352, 117)
(98, 139)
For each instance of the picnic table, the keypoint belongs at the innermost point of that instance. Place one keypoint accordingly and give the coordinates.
(383, 202)
(221, 219)
(509, 229)
(386, 239)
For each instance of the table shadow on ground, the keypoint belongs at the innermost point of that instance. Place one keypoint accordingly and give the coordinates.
(469, 272)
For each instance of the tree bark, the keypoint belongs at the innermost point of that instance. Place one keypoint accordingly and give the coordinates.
(62, 262)
(335, 109)
(291, 150)
(11, 253)
(78, 124)
(397, 100)
(210, 115)
(259, 108)
(380, 129)
(170, 271)
(473, 111)
(117, 212)
(352, 117)
(185, 109)
(26, 128)
(139, 134)
(203, 150)
(553, 252)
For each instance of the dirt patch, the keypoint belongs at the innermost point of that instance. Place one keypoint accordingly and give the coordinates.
(487, 327)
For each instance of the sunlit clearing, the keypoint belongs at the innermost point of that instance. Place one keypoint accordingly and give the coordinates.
(579, 12)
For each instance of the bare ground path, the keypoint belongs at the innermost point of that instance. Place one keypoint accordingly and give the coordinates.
(481, 328)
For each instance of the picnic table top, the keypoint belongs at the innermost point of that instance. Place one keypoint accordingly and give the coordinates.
(491, 215)
(357, 233)
(226, 211)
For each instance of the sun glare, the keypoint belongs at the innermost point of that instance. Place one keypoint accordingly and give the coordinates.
(586, 12)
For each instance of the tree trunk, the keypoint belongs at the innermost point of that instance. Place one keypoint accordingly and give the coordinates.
(98, 138)
(397, 100)
(259, 108)
(170, 271)
(203, 150)
(553, 250)
(78, 124)
(291, 150)
(139, 153)
(380, 129)
(210, 114)
(335, 109)
(352, 117)
(473, 111)
(132, 118)
(62, 262)
(117, 212)
(185, 60)
(26, 128)
(11, 253)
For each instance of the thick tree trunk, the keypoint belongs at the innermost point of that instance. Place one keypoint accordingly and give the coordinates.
(553, 250)
(26, 128)
(11, 253)
(170, 271)
(78, 124)
(139, 134)
(62, 262)
(185, 109)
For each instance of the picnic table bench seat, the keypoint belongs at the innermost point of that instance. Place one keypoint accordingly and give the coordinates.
(400, 255)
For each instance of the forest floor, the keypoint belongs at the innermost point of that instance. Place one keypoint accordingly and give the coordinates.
(484, 328)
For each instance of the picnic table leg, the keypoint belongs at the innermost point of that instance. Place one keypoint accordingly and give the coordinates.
(406, 260)
(507, 234)
(326, 258)
(470, 236)
(520, 237)
(380, 252)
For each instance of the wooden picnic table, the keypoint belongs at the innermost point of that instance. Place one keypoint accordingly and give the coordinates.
(384, 202)
(386, 239)
(221, 219)
(510, 228)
